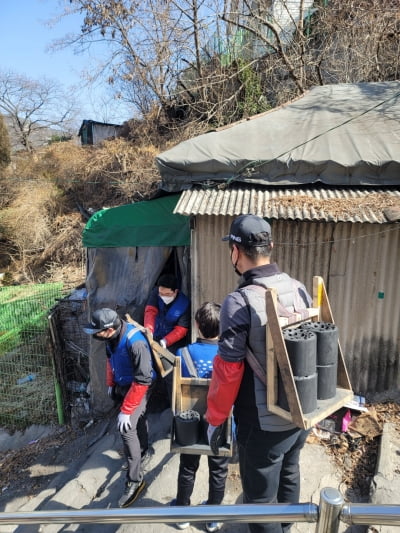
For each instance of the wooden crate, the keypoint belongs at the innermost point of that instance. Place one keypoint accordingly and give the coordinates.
(277, 357)
(191, 393)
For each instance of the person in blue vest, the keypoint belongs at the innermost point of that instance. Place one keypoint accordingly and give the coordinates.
(167, 313)
(129, 376)
(197, 362)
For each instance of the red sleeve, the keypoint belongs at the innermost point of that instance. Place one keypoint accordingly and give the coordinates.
(150, 313)
(175, 335)
(224, 387)
(133, 398)
(109, 374)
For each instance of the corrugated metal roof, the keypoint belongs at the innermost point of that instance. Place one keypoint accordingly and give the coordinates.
(330, 205)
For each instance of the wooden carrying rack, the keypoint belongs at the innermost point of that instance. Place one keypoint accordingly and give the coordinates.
(163, 358)
(277, 357)
(191, 393)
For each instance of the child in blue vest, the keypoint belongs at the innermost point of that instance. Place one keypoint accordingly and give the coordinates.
(196, 361)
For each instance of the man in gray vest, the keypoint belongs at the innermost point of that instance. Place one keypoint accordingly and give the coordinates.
(269, 446)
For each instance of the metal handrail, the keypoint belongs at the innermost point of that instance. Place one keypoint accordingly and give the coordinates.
(327, 516)
(302, 512)
(367, 514)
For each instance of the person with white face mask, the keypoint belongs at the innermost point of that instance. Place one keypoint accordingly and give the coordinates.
(167, 313)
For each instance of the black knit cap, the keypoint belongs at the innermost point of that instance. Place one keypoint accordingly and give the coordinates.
(102, 319)
(249, 230)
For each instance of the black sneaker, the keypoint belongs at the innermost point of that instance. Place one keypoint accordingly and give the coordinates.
(131, 492)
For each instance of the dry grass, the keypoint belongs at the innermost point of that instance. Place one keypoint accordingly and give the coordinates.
(27, 219)
(27, 222)
(48, 196)
(113, 173)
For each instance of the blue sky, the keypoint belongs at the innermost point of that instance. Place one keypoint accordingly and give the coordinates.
(24, 37)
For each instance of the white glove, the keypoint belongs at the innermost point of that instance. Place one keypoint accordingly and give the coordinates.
(124, 422)
(163, 343)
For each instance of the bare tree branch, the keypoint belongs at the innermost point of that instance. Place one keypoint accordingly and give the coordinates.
(34, 105)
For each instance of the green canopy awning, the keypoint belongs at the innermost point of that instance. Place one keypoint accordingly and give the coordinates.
(148, 223)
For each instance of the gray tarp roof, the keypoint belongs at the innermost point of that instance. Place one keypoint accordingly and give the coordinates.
(341, 135)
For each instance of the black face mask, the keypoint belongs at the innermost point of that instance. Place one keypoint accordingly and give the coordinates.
(235, 265)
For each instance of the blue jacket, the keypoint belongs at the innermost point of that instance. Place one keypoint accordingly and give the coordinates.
(202, 353)
(168, 315)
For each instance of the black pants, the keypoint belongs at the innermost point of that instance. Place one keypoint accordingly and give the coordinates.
(218, 471)
(269, 468)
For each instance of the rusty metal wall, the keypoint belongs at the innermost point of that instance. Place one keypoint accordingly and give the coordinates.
(360, 266)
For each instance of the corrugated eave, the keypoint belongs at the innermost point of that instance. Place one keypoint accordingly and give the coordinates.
(329, 205)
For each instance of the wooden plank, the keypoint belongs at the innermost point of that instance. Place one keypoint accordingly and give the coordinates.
(277, 357)
(176, 388)
(323, 410)
(191, 393)
(200, 449)
(282, 359)
(327, 407)
(326, 314)
(283, 413)
(272, 371)
(164, 359)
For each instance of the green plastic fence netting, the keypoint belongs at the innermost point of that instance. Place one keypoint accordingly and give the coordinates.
(27, 394)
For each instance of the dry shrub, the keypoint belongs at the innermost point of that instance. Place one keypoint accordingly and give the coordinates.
(41, 239)
(161, 130)
(27, 219)
(60, 259)
(66, 243)
(112, 173)
(71, 275)
(127, 171)
(42, 219)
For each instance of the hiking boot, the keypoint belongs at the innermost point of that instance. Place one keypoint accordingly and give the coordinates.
(131, 492)
(180, 525)
(212, 526)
